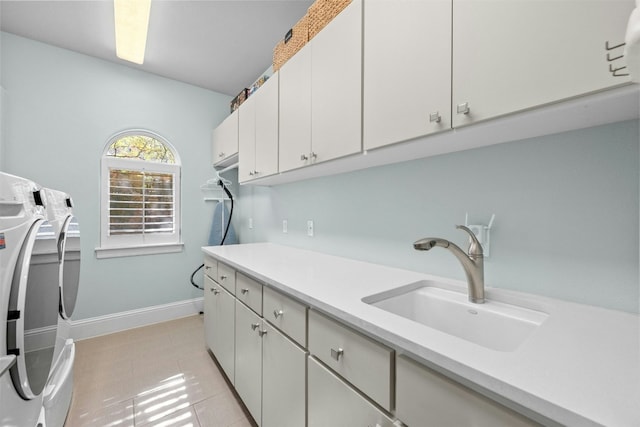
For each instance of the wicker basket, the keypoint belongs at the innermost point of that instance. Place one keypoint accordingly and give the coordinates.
(321, 12)
(286, 48)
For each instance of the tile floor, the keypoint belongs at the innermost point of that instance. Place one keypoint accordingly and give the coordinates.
(159, 375)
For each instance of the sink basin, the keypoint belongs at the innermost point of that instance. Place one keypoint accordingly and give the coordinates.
(495, 325)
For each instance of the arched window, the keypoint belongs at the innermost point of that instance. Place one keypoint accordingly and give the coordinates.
(140, 196)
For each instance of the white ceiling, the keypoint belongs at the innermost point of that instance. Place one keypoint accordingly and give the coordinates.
(219, 45)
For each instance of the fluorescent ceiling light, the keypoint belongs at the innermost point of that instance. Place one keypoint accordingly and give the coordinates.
(132, 23)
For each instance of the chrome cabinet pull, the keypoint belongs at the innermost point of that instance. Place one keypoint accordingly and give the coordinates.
(223, 277)
(435, 117)
(336, 354)
(463, 108)
(277, 313)
(244, 291)
(304, 157)
(262, 332)
(255, 326)
(221, 154)
(214, 290)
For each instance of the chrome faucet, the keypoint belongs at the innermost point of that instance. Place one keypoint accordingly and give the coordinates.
(473, 262)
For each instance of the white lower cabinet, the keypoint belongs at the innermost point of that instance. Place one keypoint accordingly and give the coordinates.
(283, 380)
(365, 363)
(248, 358)
(219, 325)
(334, 403)
(426, 398)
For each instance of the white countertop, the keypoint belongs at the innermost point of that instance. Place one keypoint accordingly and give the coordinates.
(580, 367)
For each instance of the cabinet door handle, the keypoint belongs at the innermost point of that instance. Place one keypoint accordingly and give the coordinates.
(463, 108)
(304, 157)
(221, 154)
(223, 277)
(250, 173)
(314, 155)
(244, 291)
(336, 354)
(262, 332)
(255, 326)
(435, 117)
(214, 290)
(277, 313)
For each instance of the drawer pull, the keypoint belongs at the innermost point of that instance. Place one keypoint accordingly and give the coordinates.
(262, 333)
(335, 354)
(255, 326)
(223, 277)
(277, 313)
(244, 291)
(214, 290)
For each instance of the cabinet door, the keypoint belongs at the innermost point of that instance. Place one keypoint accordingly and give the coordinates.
(248, 376)
(210, 288)
(295, 111)
(247, 140)
(225, 139)
(336, 80)
(223, 336)
(407, 91)
(266, 147)
(334, 403)
(283, 381)
(514, 55)
(426, 398)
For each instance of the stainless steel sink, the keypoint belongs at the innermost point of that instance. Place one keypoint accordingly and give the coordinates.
(496, 325)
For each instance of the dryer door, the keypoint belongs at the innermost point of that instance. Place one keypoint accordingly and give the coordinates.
(70, 243)
(33, 310)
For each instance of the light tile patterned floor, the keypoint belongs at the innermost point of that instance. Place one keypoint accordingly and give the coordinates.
(159, 375)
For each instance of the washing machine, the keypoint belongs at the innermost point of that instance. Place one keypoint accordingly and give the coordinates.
(26, 238)
(59, 388)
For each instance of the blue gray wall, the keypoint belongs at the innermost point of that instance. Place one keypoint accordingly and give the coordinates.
(61, 110)
(566, 206)
(567, 222)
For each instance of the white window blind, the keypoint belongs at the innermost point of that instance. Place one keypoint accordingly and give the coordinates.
(141, 202)
(140, 196)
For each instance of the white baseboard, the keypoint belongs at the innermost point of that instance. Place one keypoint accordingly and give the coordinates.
(102, 325)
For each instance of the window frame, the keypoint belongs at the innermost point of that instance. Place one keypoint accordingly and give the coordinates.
(143, 243)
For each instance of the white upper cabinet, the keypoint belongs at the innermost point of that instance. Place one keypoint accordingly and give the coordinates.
(295, 111)
(258, 133)
(510, 55)
(225, 140)
(407, 70)
(336, 86)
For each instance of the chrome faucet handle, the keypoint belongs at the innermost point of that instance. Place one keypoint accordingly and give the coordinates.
(475, 248)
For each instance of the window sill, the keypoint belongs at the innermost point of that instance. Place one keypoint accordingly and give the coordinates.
(127, 251)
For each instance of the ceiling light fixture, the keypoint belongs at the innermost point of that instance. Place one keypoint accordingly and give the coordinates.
(132, 23)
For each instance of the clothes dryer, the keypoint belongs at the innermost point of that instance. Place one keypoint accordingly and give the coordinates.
(24, 232)
(59, 389)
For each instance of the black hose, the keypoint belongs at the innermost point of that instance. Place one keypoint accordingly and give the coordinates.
(224, 236)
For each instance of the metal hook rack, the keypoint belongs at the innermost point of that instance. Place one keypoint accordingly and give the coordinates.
(615, 71)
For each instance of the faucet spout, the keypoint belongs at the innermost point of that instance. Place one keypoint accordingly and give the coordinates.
(472, 263)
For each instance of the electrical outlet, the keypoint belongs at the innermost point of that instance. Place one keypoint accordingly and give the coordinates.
(284, 226)
(310, 228)
(250, 223)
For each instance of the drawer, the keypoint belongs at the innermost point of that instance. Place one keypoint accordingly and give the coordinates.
(249, 292)
(226, 277)
(334, 403)
(211, 267)
(287, 315)
(363, 362)
(422, 394)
